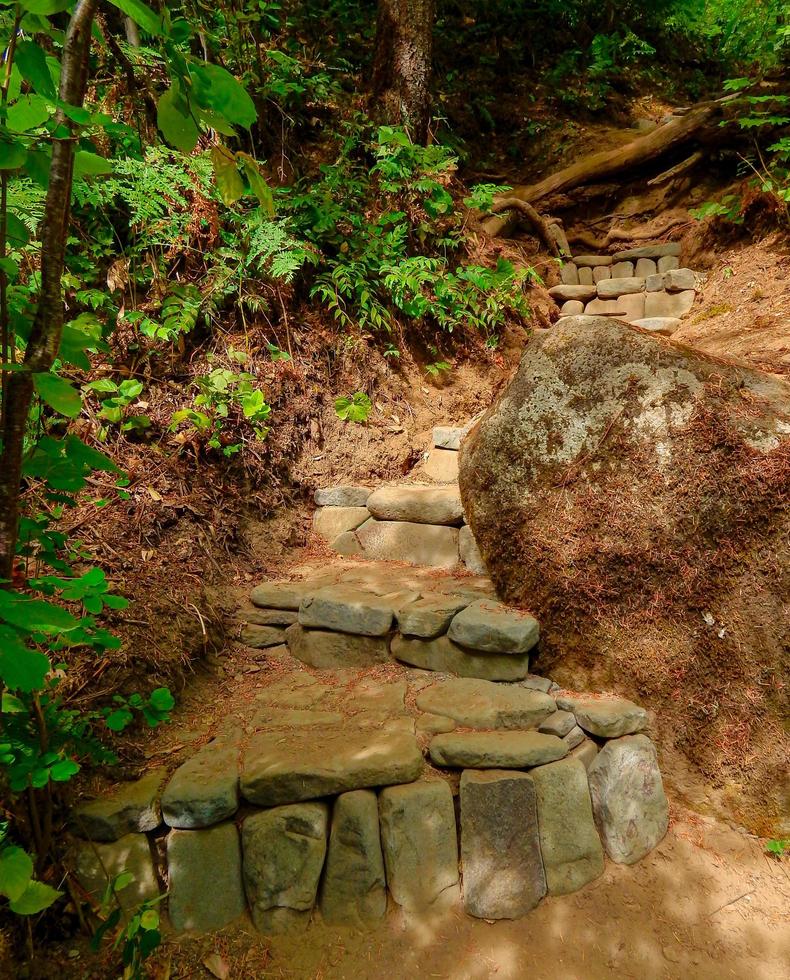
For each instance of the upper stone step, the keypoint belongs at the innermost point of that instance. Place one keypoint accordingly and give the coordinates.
(419, 504)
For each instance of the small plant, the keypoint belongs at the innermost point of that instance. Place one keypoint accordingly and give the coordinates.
(25, 895)
(138, 935)
(777, 848)
(115, 399)
(355, 408)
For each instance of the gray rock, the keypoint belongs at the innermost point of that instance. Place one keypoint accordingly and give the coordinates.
(97, 865)
(284, 850)
(572, 292)
(569, 274)
(261, 637)
(205, 789)
(536, 683)
(441, 466)
(612, 288)
(494, 628)
(585, 752)
(281, 595)
(347, 610)
(572, 852)
(297, 689)
(267, 617)
(495, 750)
(585, 276)
(500, 850)
(331, 522)
(345, 496)
(418, 504)
(304, 766)
(601, 272)
(628, 799)
(654, 283)
(592, 260)
(429, 616)
(574, 737)
(420, 844)
(431, 724)
(559, 724)
(477, 703)
(645, 268)
(329, 650)
(663, 325)
(623, 270)
(444, 655)
(667, 262)
(204, 870)
(606, 717)
(628, 307)
(648, 252)
(271, 717)
(449, 436)
(676, 280)
(573, 307)
(469, 552)
(419, 544)
(353, 891)
(130, 808)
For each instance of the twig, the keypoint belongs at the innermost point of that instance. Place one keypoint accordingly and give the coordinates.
(731, 902)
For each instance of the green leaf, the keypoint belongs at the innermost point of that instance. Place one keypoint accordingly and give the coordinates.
(90, 164)
(35, 615)
(174, 121)
(229, 182)
(35, 898)
(62, 771)
(21, 669)
(16, 870)
(58, 394)
(32, 63)
(13, 153)
(17, 234)
(143, 15)
(162, 699)
(44, 7)
(28, 112)
(258, 185)
(216, 88)
(149, 919)
(357, 408)
(117, 720)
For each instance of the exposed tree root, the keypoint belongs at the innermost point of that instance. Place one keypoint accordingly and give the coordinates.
(531, 217)
(626, 234)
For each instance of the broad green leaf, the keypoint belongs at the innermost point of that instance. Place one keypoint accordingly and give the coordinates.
(258, 185)
(44, 7)
(12, 152)
(16, 869)
(217, 89)
(141, 14)
(32, 63)
(35, 615)
(121, 881)
(229, 182)
(22, 669)
(62, 771)
(149, 919)
(174, 121)
(117, 720)
(357, 408)
(35, 898)
(58, 394)
(37, 165)
(17, 234)
(162, 699)
(90, 164)
(28, 112)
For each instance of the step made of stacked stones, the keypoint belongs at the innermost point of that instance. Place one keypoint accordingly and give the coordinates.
(643, 286)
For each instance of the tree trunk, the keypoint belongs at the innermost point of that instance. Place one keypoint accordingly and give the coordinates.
(402, 64)
(44, 340)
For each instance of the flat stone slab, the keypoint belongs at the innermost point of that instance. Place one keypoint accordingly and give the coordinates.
(444, 655)
(284, 850)
(622, 270)
(449, 436)
(592, 260)
(418, 504)
(667, 262)
(610, 288)
(97, 865)
(676, 280)
(559, 723)
(586, 276)
(496, 750)
(572, 292)
(574, 737)
(495, 628)
(469, 551)
(481, 704)
(349, 610)
(261, 637)
(205, 789)
(569, 843)
(419, 544)
(273, 717)
(663, 325)
(648, 252)
(606, 717)
(130, 808)
(343, 496)
(205, 887)
(307, 764)
(429, 616)
(585, 752)
(353, 890)
(629, 804)
(441, 466)
(254, 616)
(569, 274)
(645, 268)
(281, 594)
(330, 522)
(629, 307)
(500, 848)
(420, 844)
(329, 650)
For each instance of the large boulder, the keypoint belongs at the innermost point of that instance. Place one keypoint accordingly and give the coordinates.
(634, 495)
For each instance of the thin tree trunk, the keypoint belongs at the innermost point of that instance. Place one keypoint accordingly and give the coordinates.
(42, 346)
(402, 64)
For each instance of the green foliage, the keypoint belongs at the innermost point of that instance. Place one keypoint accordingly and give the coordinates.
(136, 934)
(353, 408)
(24, 894)
(777, 848)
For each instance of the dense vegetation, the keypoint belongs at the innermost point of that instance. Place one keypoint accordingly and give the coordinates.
(174, 176)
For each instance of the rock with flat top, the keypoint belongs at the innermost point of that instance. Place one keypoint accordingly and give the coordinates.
(500, 848)
(585, 752)
(205, 890)
(645, 268)
(564, 293)
(430, 724)
(628, 799)
(420, 844)
(475, 703)
(284, 850)
(623, 270)
(348, 610)
(606, 717)
(429, 616)
(573, 307)
(253, 616)
(585, 276)
(345, 496)
(574, 737)
(304, 766)
(130, 808)
(281, 595)
(441, 466)
(569, 274)
(629, 307)
(494, 628)
(96, 866)
(648, 252)
(676, 280)
(612, 288)
(329, 650)
(495, 750)
(667, 262)
(558, 723)
(592, 260)
(569, 843)
(205, 789)
(469, 552)
(665, 326)
(443, 655)
(449, 436)
(419, 504)
(261, 637)
(418, 544)
(601, 272)
(330, 522)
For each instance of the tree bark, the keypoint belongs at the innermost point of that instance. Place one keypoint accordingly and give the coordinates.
(402, 64)
(44, 340)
